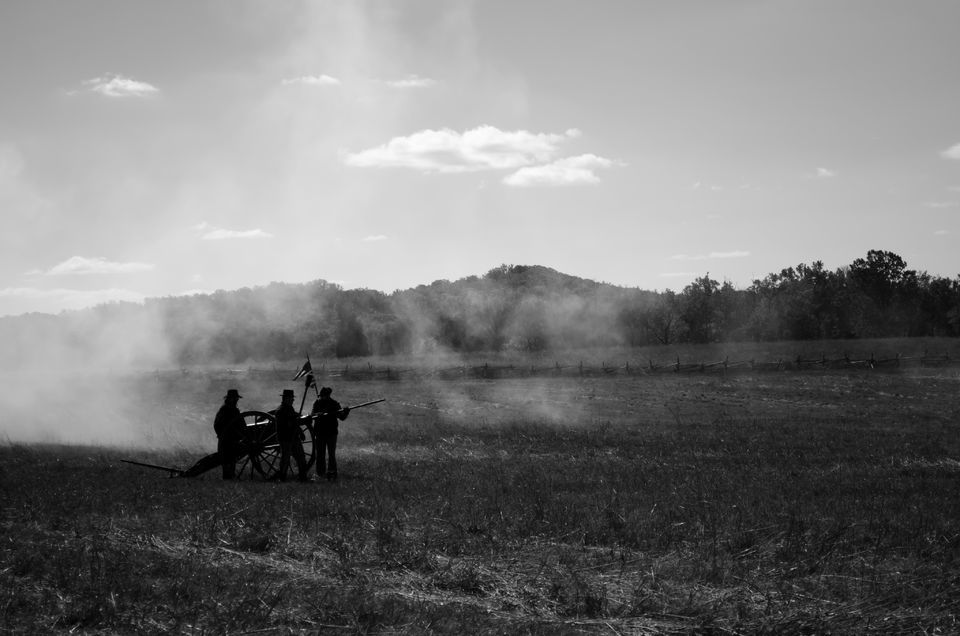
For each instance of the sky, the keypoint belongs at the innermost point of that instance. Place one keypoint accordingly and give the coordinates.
(152, 149)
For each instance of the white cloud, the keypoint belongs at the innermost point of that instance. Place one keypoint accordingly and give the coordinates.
(119, 86)
(448, 151)
(373, 238)
(679, 274)
(733, 254)
(98, 265)
(825, 173)
(711, 255)
(222, 235)
(941, 232)
(937, 205)
(213, 233)
(312, 80)
(953, 152)
(566, 171)
(411, 81)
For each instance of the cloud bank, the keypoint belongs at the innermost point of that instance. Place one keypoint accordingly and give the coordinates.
(119, 86)
(54, 300)
(953, 152)
(566, 171)
(212, 233)
(312, 80)
(448, 151)
(411, 81)
(98, 265)
(533, 156)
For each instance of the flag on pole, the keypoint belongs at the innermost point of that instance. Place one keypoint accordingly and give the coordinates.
(309, 382)
(304, 370)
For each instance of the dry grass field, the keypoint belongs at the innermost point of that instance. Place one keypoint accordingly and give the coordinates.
(804, 502)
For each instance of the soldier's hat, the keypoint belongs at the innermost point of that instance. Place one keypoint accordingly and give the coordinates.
(326, 391)
(232, 393)
(288, 393)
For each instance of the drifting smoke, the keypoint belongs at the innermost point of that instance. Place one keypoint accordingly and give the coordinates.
(153, 374)
(66, 379)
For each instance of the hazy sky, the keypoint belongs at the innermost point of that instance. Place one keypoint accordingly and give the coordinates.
(161, 148)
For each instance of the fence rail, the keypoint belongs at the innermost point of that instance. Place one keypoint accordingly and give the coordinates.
(650, 367)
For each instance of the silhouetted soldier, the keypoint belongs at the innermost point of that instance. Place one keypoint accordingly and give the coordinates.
(228, 426)
(288, 435)
(327, 414)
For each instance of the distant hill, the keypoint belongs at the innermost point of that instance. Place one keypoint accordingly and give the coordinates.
(512, 307)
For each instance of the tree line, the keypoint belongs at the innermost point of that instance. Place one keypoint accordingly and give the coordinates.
(512, 307)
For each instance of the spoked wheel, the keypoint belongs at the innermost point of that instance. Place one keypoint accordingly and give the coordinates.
(309, 450)
(259, 443)
(262, 450)
(307, 437)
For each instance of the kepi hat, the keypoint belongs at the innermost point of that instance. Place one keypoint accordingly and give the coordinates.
(326, 391)
(232, 393)
(288, 393)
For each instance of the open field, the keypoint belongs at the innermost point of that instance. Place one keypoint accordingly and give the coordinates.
(781, 502)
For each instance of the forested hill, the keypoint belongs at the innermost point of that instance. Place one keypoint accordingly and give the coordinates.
(528, 308)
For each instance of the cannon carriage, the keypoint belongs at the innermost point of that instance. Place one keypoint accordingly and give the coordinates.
(259, 448)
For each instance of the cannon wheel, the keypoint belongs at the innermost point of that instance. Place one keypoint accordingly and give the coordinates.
(263, 451)
(259, 435)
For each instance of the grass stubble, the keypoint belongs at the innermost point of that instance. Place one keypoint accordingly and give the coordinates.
(780, 503)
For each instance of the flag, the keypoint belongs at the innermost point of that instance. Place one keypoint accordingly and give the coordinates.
(304, 370)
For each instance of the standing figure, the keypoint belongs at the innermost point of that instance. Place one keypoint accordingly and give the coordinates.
(229, 426)
(288, 435)
(327, 415)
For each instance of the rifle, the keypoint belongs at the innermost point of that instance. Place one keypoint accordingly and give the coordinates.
(174, 472)
(360, 406)
(356, 406)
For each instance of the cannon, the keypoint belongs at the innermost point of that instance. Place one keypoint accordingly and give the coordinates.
(258, 448)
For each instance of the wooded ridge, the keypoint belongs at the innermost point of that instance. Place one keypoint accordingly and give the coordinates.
(512, 307)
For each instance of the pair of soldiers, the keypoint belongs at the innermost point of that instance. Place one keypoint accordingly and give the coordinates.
(326, 415)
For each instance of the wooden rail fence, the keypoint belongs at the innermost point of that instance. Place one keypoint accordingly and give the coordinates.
(650, 367)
